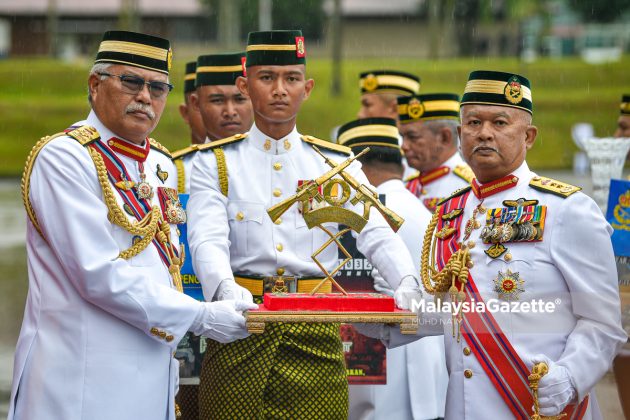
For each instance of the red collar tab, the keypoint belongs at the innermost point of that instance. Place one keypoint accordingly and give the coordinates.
(130, 150)
(437, 173)
(493, 187)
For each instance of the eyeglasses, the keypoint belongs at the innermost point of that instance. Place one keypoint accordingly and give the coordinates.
(134, 84)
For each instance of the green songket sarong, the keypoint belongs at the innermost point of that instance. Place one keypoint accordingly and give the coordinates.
(291, 371)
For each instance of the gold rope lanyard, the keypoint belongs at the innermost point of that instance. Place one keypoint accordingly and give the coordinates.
(439, 282)
(151, 226)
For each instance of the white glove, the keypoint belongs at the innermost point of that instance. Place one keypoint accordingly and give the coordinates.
(380, 284)
(222, 321)
(229, 290)
(378, 331)
(407, 291)
(555, 389)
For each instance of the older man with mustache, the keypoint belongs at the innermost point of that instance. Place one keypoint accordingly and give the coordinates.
(533, 257)
(105, 310)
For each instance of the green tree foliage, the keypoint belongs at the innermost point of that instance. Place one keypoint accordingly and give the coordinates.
(602, 11)
(307, 15)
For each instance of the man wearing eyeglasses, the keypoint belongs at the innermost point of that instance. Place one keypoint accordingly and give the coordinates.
(105, 310)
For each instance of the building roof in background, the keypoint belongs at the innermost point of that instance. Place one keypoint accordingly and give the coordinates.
(100, 7)
(363, 8)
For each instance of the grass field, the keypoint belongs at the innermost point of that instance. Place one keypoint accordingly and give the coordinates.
(40, 97)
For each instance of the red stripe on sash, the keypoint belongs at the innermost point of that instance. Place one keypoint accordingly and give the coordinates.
(488, 343)
(117, 172)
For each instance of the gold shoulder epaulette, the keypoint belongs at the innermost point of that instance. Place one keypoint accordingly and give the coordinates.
(85, 134)
(464, 172)
(222, 142)
(155, 145)
(327, 145)
(456, 193)
(412, 177)
(552, 186)
(185, 151)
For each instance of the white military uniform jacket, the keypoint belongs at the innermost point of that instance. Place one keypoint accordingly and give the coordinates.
(452, 175)
(235, 233)
(416, 373)
(86, 350)
(573, 267)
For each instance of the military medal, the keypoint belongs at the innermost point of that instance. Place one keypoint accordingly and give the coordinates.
(162, 175)
(473, 223)
(143, 188)
(124, 183)
(509, 285)
(172, 208)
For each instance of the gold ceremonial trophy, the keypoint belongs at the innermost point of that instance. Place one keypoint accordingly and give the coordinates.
(331, 194)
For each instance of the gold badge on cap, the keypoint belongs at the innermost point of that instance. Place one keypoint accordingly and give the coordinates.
(169, 59)
(370, 83)
(513, 90)
(415, 109)
(299, 47)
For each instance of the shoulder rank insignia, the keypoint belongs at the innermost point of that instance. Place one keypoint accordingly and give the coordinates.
(464, 172)
(222, 142)
(85, 134)
(155, 145)
(552, 186)
(456, 193)
(327, 145)
(185, 151)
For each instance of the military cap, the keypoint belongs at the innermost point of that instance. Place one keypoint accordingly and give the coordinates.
(498, 88)
(279, 48)
(219, 69)
(359, 134)
(389, 81)
(189, 77)
(432, 106)
(135, 49)
(625, 105)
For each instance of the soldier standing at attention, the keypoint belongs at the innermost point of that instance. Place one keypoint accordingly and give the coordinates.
(428, 125)
(404, 397)
(192, 117)
(292, 370)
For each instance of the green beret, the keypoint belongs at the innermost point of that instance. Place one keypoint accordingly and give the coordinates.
(625, 105)
(389, 81)
(359, 134)
(275, 48)
(189, 77)
(135, 49)
(432, 106)
(498, 88)
(219, 69)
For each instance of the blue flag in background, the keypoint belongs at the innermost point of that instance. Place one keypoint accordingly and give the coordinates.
(618, 215)
(192, 287)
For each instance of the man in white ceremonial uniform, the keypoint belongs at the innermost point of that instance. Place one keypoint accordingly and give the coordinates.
(428, 125)
(192, 117)
(536, 247)
(105, 311)
(291, 370)
(380, 90)
(416, 373)
(222, 109)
